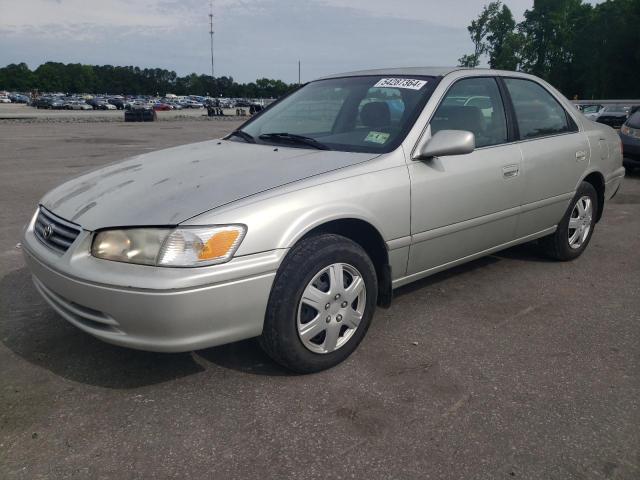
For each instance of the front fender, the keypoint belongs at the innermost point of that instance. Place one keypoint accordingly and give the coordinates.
(380, 197)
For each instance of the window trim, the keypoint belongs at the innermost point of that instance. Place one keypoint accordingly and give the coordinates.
(571, 122)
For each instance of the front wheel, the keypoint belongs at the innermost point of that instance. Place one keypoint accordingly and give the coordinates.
(321, 304)
(576, 228)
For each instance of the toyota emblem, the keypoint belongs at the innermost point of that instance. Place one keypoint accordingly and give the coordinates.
(48, 231)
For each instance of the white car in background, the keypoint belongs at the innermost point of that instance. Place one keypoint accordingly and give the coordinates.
(77, 105)
(592, 111)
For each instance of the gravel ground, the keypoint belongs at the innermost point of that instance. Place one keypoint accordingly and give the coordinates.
(511, 366)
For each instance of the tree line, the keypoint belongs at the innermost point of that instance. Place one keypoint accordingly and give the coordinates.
(583, 50)
(78, 78)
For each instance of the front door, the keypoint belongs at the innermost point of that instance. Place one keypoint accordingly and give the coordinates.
(465, 204)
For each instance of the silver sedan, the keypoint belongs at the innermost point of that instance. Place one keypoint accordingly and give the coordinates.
(298, 224)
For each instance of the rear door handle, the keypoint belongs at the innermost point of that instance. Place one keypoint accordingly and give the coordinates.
(510, 171)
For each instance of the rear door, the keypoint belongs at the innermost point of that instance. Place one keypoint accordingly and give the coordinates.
(554, 152)
(465, 204)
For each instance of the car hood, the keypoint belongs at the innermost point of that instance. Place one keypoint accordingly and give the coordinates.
(169, 186)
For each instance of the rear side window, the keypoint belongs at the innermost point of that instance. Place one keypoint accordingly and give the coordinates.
(537, 112)
(474, 105)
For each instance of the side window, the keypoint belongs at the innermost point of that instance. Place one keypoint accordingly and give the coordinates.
(537, 112)
(475, 105)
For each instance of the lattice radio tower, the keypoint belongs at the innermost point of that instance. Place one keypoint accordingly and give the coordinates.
(211, 34)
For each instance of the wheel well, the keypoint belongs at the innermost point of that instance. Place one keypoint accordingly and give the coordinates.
(597, 180)
(368, 237)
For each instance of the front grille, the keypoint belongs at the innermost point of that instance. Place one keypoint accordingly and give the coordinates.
(55, 232)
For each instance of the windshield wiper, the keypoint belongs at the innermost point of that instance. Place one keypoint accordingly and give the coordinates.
(243, 135)
(293, 138)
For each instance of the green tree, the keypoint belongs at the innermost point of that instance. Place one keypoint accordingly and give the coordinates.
(493, 34)
(582, 50)
(478, 32)
(502, 43)
(551, 30)
(17, 77)
(611, 51)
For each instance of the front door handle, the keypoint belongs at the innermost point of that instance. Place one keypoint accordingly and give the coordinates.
(510, 171)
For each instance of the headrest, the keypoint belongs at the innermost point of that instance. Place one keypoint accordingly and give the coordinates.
(375, 114)
(451, 117)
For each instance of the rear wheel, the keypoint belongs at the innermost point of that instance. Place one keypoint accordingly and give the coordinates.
(321, 304)
(576, 228)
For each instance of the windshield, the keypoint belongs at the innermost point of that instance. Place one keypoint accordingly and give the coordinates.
(356, 114)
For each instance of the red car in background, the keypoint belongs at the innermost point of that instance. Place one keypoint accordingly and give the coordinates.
(162, 107)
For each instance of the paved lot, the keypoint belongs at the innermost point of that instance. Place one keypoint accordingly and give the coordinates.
(508, 367)
(25, 113)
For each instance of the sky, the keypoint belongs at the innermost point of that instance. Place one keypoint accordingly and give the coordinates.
(252, 39)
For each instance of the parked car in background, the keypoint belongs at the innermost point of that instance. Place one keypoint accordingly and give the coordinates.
(241, 103)
(55, 103)
(19, 98)
(100, 103)
(94, 101)
(311, 213)
(137, 104)
(118, 102)
(188, 103)
(591, 111)
(76, 104)
(613, 115)
(630, 136)
(104, 105)
(41, 102)
(158, 107)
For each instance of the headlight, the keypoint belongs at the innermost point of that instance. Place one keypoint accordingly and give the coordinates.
(179, 247)
(626, 130)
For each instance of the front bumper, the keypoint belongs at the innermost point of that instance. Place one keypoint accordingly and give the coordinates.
(154, 308)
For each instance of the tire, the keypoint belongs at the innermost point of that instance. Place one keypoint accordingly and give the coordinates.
(559, 245)
(312, 261)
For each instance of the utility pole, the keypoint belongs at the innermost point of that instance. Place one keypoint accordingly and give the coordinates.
(211, 34)
(298, 72)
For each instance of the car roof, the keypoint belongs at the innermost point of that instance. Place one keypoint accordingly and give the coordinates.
(425, 71)
(422, 71)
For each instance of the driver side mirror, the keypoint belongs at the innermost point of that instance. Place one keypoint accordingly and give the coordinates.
(445, 143)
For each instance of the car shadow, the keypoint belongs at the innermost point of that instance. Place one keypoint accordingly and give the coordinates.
(35, 332)
(246, 356)
(529, 252)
